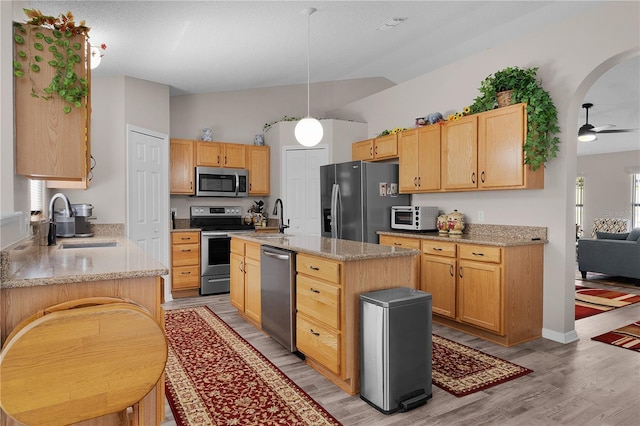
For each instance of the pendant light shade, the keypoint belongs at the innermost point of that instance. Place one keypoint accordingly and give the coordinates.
(308, 131)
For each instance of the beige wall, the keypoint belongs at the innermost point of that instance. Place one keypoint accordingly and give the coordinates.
(607, 185)
(570, 60)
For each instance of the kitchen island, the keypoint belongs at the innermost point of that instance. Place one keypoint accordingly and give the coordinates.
(35, 277)
(330, 276)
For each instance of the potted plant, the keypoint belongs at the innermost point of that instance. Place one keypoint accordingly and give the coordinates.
(541, 144)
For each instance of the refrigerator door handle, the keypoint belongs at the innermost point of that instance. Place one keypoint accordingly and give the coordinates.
(334, 206)
(338, 212)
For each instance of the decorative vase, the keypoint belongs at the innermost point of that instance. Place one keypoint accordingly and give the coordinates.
(504, 98)
(442, 224)
(455, 222)
(258, 140)
(206, 135)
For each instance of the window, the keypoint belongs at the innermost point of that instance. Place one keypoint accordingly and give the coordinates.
(579, 206)
(635, 200)
(36, 190)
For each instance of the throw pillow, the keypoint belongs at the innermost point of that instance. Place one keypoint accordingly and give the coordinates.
(634, 235)
(611, 236)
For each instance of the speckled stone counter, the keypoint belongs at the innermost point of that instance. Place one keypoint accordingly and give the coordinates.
(29, 265)
(491, 235)
(331, 248)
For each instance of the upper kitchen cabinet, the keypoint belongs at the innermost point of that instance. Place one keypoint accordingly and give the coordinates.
(51, 143)
(258, 157)
(501, 136)
(419, 159)
(182, 168)
(219, 154)
(381, 148)
(460, 154)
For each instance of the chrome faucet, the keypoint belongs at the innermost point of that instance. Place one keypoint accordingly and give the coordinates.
(51, 240)
(281, 225)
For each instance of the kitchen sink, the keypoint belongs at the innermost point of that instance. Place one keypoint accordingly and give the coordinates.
(89, 245)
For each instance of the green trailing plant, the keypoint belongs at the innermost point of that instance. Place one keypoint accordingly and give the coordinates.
(542, 143)
(267, 126)
(51, 44)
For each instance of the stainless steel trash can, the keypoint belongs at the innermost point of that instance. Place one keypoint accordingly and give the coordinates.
(395, 349)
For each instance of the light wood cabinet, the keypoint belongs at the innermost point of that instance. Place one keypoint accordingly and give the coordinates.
(258, 164)
(410, 243)
(245, 288)
(381, 148)
(185, 264)
(419, 159)
(182, 167)
(439, 269)
(459, 156)
(50, 144)
(234, 155)
(220, 154)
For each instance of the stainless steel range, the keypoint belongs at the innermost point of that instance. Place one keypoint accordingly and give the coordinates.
(217, 223)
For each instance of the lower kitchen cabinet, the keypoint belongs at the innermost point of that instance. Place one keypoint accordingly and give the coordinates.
(410, 243)
(244, 292)
(185, 264)
(439, 269)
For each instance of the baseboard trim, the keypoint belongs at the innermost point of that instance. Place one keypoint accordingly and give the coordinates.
(568, 337)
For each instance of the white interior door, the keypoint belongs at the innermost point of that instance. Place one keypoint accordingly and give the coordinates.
(301, 178)
(148, 194)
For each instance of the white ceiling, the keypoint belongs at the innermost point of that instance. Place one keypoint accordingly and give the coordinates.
(213, 46)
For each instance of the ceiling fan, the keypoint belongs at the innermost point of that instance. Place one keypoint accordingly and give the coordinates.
(587, 132)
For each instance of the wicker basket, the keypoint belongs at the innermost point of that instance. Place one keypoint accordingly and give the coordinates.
(504, 98)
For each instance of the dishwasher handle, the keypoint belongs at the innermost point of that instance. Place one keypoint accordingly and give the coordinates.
(276, 255)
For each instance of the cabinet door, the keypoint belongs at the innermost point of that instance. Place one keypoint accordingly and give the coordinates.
(258, 158)
(480, 295)
(385, 147)
(234, 155)
(428, 158)
(236, 284)
(408, 161)
(460, 153)
(501, 135)
(439, 279)
(182, 169)
(209, 154)
(362, 150)
(252, 298)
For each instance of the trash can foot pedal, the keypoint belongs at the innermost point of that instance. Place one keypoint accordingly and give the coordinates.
(416, 401)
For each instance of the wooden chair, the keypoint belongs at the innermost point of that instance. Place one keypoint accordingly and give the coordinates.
(79, 360)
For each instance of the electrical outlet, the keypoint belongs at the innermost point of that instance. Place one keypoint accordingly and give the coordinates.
(480, 215)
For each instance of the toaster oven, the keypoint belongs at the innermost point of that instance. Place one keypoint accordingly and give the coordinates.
(414, 218)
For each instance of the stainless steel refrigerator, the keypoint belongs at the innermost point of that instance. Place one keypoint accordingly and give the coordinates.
(356, 199)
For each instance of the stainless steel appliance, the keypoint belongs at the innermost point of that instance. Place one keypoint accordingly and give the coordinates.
(395, 348)
(82, 214)
(415, 218)
(278, 292)
(356, 199)
(221, 182)
(216, 223)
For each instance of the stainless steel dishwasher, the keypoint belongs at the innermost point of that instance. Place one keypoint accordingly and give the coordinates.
(278, 292)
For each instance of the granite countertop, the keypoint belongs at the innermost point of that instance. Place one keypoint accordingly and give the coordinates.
(28, 265)
(491, 235)
(331, 248)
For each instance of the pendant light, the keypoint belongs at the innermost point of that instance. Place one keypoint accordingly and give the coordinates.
(308, 131)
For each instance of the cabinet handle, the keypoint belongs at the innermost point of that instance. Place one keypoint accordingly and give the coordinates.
(415, 181)
(218, 160)
(376, 150)
(313, 332)
(451, 270)
(460, 272)
(482, 177)
(397, 244)
(249, 186)
(314, 268)
(370, 151)
(241, 267)
(185, 273)
(186, 238)
(313, 290)
(185, 250)
(419, 181)
(473, 177)
(225, 160)
(437, 249)
(477, 254)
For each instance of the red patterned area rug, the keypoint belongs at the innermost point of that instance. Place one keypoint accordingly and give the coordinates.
(461, 370)
(627, 337)
(592, 301)
(215, 377)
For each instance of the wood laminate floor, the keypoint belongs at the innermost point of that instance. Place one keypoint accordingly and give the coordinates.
(581, 383)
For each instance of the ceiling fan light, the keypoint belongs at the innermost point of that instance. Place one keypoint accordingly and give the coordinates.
(586, 133)
(309, 131)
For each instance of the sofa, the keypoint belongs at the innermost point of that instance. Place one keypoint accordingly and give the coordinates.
(610, 253)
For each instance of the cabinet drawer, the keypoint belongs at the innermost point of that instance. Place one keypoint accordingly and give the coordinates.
(481, 253)
(252, 251)
(318, 300)
(237, 246)
(185, 254)
(185, 277)
(319, 268)
(439, 248)
(410, 243)
(318, 342)
(185, 237)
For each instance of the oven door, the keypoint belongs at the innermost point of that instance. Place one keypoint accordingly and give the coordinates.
(214, 262)
(402, 218)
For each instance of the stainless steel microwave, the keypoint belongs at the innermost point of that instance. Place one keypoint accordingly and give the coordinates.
(221, 182)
